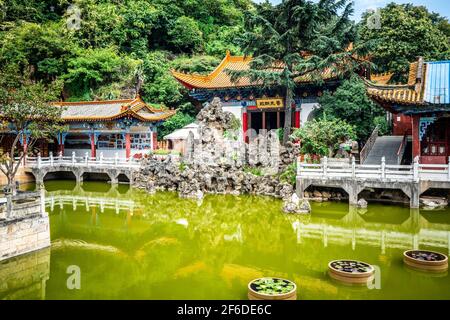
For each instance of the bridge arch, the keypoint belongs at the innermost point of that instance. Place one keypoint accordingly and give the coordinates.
(97, 176)
(59, 175)
(123, 178)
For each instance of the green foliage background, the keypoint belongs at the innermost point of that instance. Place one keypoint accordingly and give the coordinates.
(120, 47)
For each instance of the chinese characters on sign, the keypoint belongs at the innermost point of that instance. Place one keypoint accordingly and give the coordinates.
(269, 103)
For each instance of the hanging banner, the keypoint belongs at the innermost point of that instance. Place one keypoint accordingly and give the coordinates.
(269, 103)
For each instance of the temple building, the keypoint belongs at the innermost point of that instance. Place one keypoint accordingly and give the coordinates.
(421, 109)
(127, 127)
(256, 107)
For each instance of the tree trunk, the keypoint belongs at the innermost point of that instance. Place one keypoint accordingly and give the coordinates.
(11, 187)
(287, 116)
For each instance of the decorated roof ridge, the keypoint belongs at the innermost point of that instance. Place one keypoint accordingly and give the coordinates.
(218, 79)
(107, 110)
(382, 78)
(208, 77)
(157, 117)
(410, 93)
(162, 116)
(395, 93)
(66, 103)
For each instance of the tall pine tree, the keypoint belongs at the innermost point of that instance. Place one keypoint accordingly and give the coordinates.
(297, 38)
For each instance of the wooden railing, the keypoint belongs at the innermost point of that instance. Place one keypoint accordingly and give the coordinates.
(368, 146)
(413, 173)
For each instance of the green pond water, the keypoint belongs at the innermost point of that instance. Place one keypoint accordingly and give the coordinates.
(131, 245)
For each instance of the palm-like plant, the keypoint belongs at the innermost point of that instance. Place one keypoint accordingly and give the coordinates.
(297, 40)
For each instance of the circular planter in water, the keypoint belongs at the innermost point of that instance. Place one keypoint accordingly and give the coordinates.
(351, 271)
(272, 289)
(426, 260)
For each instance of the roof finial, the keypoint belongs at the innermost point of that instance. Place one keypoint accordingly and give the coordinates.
(228, 53)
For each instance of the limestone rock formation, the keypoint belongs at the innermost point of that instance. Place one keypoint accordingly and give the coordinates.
(294, 205)
(362, 203)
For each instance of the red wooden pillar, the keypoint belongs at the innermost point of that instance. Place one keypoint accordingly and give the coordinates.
(263, 124)
(155, 140)
(245, 125)
(93, 149)
(127, 145)
(415, 136)
(297, 118)
(61, 148)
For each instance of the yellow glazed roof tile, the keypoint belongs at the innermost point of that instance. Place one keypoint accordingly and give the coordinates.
(108, 110)
(219, 78)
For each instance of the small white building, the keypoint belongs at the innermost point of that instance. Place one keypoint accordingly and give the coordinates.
(177, 139)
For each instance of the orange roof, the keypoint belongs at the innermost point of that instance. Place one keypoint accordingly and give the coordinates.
(411, 93)
(219, 78)
(108, 110)
(401, 94)
(382, 78)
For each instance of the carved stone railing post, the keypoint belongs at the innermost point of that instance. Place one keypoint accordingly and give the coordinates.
(353, 167)
(416, 169)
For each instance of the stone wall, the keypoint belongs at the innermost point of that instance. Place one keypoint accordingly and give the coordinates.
(24, 230)
(25, 277)
(22, 177)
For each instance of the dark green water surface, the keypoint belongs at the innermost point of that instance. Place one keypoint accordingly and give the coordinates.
(131, 245)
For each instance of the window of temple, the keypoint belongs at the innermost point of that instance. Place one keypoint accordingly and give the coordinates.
(435, 141)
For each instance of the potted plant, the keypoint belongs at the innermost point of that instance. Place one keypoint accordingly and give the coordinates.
(272, 289)
(426, 260)
(351, 271)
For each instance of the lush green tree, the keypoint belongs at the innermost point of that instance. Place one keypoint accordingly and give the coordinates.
(164, 90)
(94, 68)
(406, 32)
(351, 103)
(25, 110)
(224, 38)
(323, 136)
(30, 10)
(296, 38)
(186, 36)
(95, 45)
(98, 23)
(159, 86)
(43, 48)
(195, 64)
(178, 121)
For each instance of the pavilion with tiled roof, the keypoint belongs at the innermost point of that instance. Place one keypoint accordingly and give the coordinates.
(126, 126)
(258, 107)
(421, 107)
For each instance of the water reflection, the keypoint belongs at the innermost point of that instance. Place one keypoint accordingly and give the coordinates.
(25, 277)
(129, 244)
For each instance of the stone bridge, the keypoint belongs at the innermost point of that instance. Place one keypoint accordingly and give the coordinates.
(114, 168)
(413, 180)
